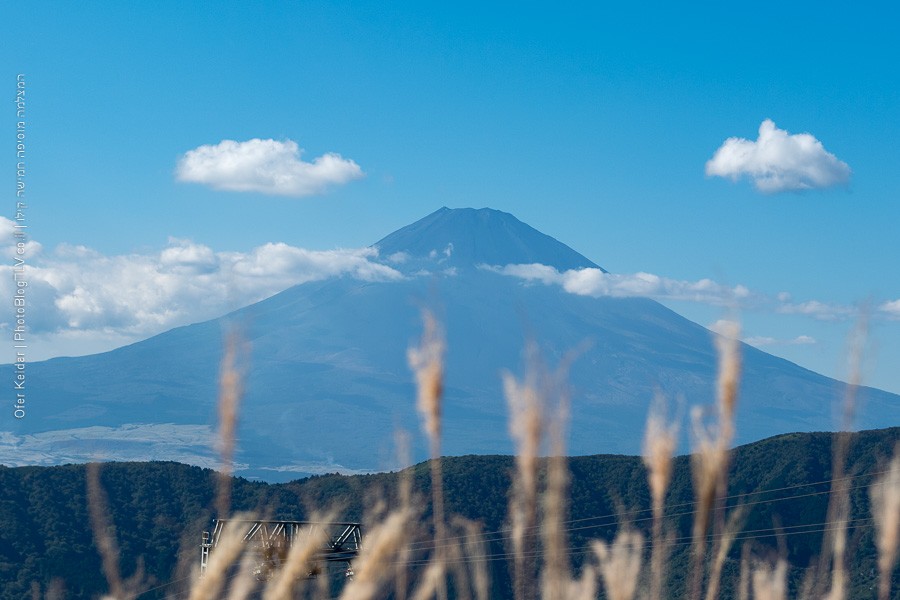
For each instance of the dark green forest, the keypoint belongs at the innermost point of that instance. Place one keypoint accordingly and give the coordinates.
(159, 510)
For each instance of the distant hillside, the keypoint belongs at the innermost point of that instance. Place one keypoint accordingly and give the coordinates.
(159, 510)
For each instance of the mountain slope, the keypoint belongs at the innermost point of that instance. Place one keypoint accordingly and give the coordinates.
(327, 384)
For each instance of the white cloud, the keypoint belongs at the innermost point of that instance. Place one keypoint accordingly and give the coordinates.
(727, 328)
(800, 340)
(185, 256)
(441, 256)
(76, 294)
(8, 240)
(891, 309)
(399, 257)
(778, 161)
(821, 311)
(595, 282)
(265, 166)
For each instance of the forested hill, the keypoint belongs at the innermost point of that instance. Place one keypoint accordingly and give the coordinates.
(160, 509)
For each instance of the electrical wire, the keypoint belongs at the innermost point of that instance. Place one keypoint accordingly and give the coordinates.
(614, 519)
(503, 533)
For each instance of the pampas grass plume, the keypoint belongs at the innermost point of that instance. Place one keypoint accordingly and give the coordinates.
(620, 563)
(885, 495)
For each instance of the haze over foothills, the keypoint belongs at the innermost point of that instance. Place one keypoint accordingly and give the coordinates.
(183, 162)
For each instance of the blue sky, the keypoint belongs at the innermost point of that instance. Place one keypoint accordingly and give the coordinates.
(592, 124)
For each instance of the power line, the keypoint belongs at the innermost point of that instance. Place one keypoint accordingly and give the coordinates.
(613, 519)
(682, 541)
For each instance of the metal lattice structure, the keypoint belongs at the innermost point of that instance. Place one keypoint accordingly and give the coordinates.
(274, 539)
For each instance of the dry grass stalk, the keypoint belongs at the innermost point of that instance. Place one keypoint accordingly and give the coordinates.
(620, 563)
(728, 346)
(527, 417)
(839, 512)
(380, 546)
(244, 584)
(744, 581)
(555, 573)
(104, 532)
(431, 581)
(55, 590)
(585, 587)
(729, 350)
(723, 546)
(770, 583)
(710, 458)
(474, 552)
(835, 540)
(660, 440)
(299, 561)
(230, 391)
(456, 566)
(885, 494)
(404, 489)
(227, 551)
(808, 585)
(707, 464)
(526, 425)
(427, 362)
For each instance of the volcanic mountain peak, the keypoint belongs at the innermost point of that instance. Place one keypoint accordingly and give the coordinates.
(468, 237)
(329, 381)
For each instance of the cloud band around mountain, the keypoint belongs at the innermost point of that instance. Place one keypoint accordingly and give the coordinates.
(760, 341)
(75, 291)
(821, 311)
(778, 161)
(264, 166)
(596, 283)
(81, 300)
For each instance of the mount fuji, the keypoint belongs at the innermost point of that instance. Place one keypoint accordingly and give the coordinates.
(327, 385)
